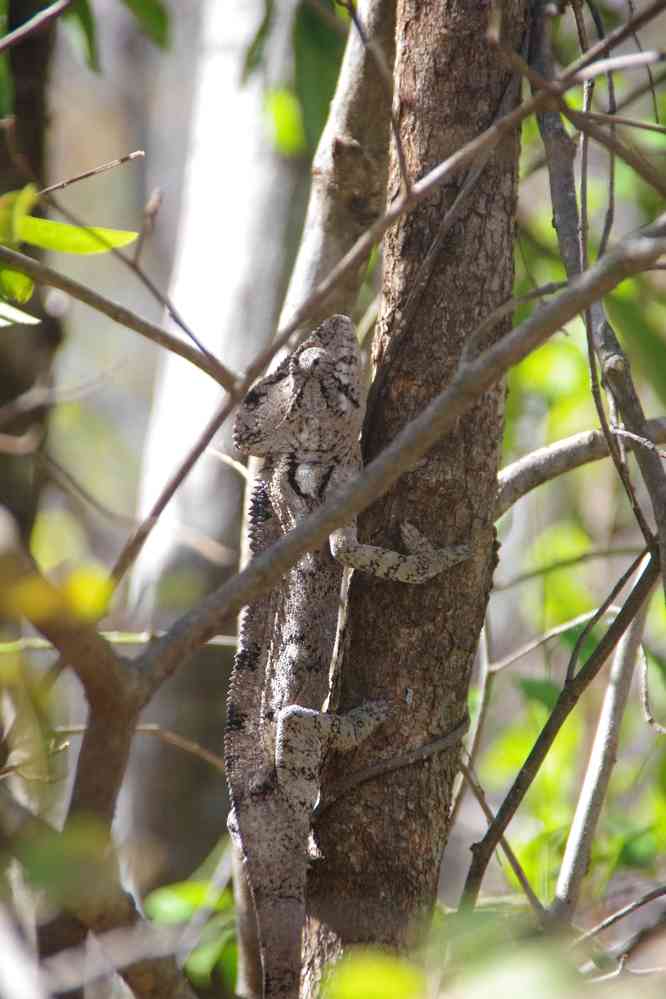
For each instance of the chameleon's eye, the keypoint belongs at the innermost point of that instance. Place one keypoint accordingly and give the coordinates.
(311, 358)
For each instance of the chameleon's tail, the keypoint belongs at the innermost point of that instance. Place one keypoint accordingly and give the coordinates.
(274, 845)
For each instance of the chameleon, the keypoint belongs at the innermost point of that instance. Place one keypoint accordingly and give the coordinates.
(304, 419)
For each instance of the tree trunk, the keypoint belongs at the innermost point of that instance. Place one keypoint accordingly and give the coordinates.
(382, 843)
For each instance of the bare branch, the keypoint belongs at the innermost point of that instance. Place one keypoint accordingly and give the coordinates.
(102, 168)
(627, 910)
(645, 695)
(565, 563)
(600, 765)
(618, 586)
(547, 463)
(535, 643)
(479, 794)
(35, 23)
(42, 274)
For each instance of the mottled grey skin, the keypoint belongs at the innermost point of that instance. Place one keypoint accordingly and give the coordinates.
(304, 419)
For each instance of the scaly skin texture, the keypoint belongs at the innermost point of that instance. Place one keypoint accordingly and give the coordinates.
(304, 419)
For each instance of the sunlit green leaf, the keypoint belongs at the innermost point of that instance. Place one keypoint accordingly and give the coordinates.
(13, 207)
(153, 18)
(15, 286)
(284, 114)
(79, 21)
(21, 205)
(66, 238)
(374, 975)
(176, 903)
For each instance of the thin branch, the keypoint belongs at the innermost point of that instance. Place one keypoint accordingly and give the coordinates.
(42, 274)
(615, 917)
(471, 781)
(138, 154)
(35, 23)
(30, 643)
(614, 119)
(618, 63)
(547, 463)
(564, 563)
(547, 636)
(45, 396)
(645, 695)
(643, 441)
(598, 773)
(567, 700)
(165, 735)
(637, 92)
(616, 590)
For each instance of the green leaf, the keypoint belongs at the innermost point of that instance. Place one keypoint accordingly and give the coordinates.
(14, 205)
(639, 850)
(71, 238)
(374, 975)
(255, 51)
(153, 19)
(176, 903)
(542, 691)
(22, 205)
(9, 315)
(204, 959)
(318, 52)
(79, 21)
(284, 113)
(15, 286)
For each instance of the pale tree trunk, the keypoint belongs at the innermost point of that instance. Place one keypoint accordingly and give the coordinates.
(241, 202)
(382, 842)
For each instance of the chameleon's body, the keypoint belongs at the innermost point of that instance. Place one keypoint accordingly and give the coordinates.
(304, 419)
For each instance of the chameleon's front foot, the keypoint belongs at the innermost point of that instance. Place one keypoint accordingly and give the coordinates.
(422, 563)
(434, 560)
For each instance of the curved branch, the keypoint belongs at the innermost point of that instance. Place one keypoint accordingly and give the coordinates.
(44, 275)
(546, 463)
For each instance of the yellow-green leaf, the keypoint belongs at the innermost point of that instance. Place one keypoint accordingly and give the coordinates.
(71, 238)
(284, 113)
(15, 285)
(87, 591)
(23, 203)
(373, 975)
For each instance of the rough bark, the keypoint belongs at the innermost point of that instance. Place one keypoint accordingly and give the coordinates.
(382, 844)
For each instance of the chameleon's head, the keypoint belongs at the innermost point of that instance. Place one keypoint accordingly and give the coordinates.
(312, 404)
